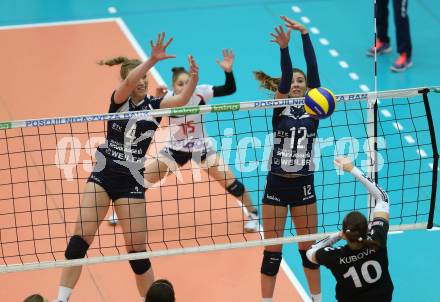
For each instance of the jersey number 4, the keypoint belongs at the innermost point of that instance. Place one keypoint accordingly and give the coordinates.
(365, 273)
(188, 127)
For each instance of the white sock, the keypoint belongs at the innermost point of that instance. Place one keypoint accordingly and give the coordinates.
(317, 298)
(64, 293)
(142, 299)
(266, 300)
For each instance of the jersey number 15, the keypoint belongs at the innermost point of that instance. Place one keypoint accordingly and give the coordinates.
(188, 127)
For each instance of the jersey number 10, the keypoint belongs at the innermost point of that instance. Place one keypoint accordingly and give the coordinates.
(365, 273)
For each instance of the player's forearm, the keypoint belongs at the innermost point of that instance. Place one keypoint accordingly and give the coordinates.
(137, 73)
(183, 98)
(228, 88)
(311, 252)
(372, 187)
(313, 80)
(286, 71)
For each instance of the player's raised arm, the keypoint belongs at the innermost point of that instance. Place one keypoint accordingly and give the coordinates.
(313, 80)
(183, 98)
(229, 86)
(282, 38)
(158, 53)
(382, 205)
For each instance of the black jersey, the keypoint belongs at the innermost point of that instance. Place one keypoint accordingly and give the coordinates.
(361, 275)
(127, 141)
(294, 135)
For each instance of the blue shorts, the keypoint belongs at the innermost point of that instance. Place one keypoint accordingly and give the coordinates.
(118, 185)
(294, 192)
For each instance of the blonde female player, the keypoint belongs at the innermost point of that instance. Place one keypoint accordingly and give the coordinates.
(119, 161)
(361, 266)
(189, 141)
(290, 178)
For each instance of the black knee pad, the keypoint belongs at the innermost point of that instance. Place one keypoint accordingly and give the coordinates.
(236, 188)
(306, 262)
(77, 248)
(140, 266)
(271, 263)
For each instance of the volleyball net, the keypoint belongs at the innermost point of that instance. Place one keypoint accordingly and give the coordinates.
(45, 163)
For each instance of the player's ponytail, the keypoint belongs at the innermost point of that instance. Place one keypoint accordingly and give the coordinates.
(266, 81)
(177, 71)
(270, 83)
(126, 64)
(355, 228)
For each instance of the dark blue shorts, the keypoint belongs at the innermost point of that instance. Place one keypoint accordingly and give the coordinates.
(294, 192)
(118, 185)
(182, 157)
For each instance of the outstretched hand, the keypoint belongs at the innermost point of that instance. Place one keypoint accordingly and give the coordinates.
(344, 163)
(281, 37)
(193, 67)
(294, 25)
(228, 60)
(158, 49)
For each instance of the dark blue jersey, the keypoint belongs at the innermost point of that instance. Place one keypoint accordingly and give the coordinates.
(294, 130)
(294, 135)
(128, 140)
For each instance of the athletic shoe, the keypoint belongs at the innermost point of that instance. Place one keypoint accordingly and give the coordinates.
(253, 224)
(402, 63)
(381, 48)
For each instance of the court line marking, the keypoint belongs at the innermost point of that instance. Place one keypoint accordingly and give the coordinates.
(343, 64)
(395, 232)
(289, 273)
(398, 126)
(386, 113)
(57, 23)
(314, 30)
(296, 9)
(354, 76)
(422, 153)
(112, 10)
(409, 139)
(333, 52)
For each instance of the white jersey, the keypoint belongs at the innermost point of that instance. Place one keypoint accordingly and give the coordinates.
(187, 133)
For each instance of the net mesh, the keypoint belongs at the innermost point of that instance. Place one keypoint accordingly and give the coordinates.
(43, 170)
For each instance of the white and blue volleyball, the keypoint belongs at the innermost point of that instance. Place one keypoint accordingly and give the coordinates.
(320, 102)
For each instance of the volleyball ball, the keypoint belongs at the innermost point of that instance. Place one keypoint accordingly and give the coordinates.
(320, 102)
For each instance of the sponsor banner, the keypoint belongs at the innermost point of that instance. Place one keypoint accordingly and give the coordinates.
(185, 110)
(225, 107)
(5, 125)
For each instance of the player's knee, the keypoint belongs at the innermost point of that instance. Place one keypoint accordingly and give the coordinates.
(271, 263)
(140, 266)
(236, 188)
(306, 262)
(77, 248)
